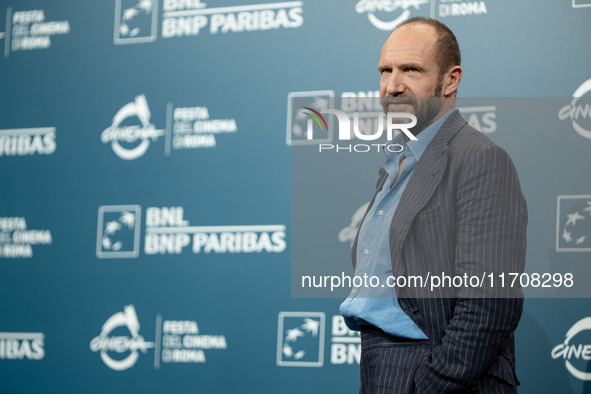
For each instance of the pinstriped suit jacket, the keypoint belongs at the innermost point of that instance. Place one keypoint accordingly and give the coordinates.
(462, 212)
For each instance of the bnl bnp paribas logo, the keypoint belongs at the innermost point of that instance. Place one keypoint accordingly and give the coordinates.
(360, 115)
(581, 3)
(22, 345)
(136, 21)
(579, 110)
(28, 141)
(395, 123)
(132, 131)
(167, 232)
(573, 224)
(387, 14)
(360, 118)
(301, 338)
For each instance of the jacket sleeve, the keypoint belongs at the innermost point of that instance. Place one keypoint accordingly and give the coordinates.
(491, 220)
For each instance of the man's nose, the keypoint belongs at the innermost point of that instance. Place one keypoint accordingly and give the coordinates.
(394, 84)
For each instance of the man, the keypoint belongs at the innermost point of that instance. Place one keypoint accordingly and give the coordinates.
(449, 204)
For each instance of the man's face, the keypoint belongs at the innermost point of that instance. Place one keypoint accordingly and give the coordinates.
(409, 71)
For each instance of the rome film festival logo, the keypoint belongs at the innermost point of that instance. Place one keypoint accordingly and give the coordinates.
(401, 9)
(128, 140)
(572, 352)
(577, 112)
(17, 240)
(573, 224)
(108, 344)
(28, 30)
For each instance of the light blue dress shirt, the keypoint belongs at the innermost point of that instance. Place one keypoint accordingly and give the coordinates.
(379, 306)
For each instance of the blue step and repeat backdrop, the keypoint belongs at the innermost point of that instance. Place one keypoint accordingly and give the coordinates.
(145, 191)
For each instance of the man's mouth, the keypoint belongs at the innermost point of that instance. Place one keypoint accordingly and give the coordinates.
(390, 104)
(399, 107)
(397, 102)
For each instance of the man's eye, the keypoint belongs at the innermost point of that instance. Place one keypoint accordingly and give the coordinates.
(412, 69)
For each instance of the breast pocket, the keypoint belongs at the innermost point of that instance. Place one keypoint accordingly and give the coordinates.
(431, 244)
(432, 215)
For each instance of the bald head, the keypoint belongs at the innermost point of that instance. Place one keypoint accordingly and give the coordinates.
(447, 49)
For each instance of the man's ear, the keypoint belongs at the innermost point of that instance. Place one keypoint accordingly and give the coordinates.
(451, 81)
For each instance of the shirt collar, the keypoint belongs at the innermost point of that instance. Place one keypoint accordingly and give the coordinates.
(423, 139)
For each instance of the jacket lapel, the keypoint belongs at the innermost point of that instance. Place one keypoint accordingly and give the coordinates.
(424, 180)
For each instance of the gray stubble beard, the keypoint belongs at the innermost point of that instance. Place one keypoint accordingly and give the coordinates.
(425, 113)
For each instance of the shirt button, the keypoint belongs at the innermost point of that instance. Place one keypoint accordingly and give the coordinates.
(366, 251)
(354, 291)
(380, 212)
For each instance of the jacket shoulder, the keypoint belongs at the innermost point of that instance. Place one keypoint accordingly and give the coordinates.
(470, 139)
(469, 145)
